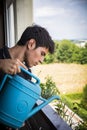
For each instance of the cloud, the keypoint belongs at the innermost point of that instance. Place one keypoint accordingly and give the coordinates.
(62, 18)
(48, 11)
(83, 22)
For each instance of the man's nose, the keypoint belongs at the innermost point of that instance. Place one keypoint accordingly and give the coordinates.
(41, 60)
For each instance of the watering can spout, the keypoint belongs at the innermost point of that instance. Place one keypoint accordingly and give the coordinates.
(43, 104)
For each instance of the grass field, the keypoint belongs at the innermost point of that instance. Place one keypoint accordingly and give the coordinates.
(69, 78)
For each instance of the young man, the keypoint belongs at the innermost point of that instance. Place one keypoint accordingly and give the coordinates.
(29, 51)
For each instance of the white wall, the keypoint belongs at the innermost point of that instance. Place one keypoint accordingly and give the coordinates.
(24, 16)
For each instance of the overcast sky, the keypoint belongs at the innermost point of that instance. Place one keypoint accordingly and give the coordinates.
(64, 19)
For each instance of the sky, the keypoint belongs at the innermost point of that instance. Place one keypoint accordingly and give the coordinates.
(64, 19)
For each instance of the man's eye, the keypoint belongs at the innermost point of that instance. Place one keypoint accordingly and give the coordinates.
(42, 53)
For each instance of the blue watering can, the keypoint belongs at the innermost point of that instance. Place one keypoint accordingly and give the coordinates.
(18, 97)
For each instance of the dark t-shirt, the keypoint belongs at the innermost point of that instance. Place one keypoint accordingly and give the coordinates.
(4, 54)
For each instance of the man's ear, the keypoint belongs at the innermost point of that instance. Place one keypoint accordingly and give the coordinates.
(31, 44)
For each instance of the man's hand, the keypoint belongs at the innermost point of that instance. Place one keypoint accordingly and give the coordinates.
(11, 66)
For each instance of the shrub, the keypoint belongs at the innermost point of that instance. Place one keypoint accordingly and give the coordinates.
(49, 88)
(49, 59)
(84, 97)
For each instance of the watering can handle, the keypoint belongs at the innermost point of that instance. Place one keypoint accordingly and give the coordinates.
(26, 71)
(43, 104)
(3, 81)
(32, 75)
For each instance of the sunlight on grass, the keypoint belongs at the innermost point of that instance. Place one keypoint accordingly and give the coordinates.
(69, 78)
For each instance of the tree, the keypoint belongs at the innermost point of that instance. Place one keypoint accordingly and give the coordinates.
(83, 58)
(67, 51)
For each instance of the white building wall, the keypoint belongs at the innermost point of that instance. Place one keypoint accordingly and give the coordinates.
(24, 16)
(11, 38)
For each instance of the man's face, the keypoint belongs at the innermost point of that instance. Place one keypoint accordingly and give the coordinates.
(35, 56)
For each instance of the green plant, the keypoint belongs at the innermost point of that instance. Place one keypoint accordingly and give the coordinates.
(81, 126)
(49, 88)
(73, 101)
(84, 97)
(62, 112)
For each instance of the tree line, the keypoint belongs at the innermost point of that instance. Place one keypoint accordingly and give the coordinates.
(68, 52)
